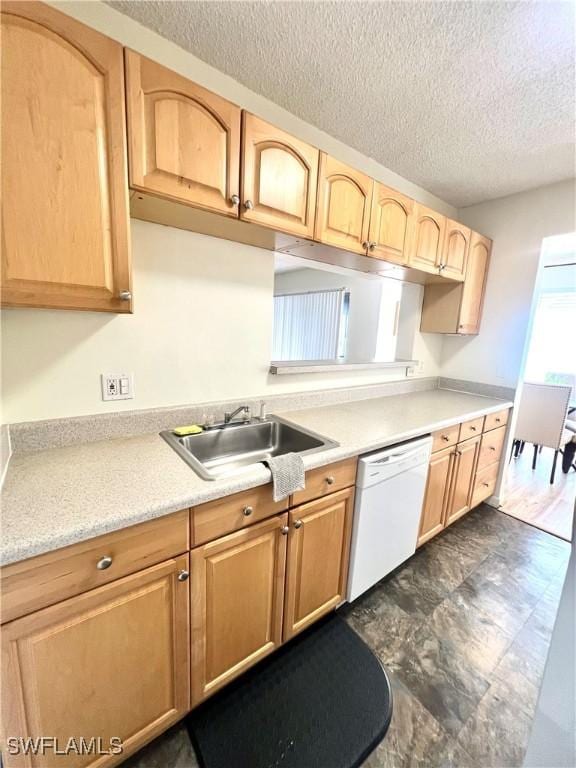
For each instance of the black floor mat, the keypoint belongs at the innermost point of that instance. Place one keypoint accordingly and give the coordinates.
(321, 701)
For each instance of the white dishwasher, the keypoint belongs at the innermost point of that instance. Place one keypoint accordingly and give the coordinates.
(390, 489)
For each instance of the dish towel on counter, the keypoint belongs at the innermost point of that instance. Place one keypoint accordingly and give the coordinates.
(288, 474)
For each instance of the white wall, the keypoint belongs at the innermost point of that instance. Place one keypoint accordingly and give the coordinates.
(201, 331)
(517, 225)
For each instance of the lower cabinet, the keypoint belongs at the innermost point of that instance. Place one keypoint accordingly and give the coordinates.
(460, 497)
(437, 494)
(255, 588)
(237, 590)
(318, 554)
(112, 663)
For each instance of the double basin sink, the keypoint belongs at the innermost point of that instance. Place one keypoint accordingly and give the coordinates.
(229, 448)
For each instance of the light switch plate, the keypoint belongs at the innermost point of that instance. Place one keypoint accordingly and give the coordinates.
(117, 386)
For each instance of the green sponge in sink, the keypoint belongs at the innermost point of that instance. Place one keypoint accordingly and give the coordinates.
(193, 429)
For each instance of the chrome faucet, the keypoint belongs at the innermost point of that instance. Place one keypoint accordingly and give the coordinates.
(229, 416)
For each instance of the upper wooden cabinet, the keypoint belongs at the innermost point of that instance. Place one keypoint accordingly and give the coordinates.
(344, 201)
(475, 284)
(65, 240)
(279, 178)
(391, 221)
(455, 251)
(317, 561)
(428, 240)
(112, 662)
(184, 141)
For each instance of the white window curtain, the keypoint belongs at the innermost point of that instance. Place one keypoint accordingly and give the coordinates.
(307, 325)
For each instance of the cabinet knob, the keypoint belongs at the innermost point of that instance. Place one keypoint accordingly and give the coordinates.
(445, 438)
(247, 511)
(473, 429)
(366, 245)
(249, 205)
(183, 575)
(330, 480)
(125, 295)
(284, 530)
(486, 485)
(497, 421)
(104, 562)
(371, 246)
(492, 448)
(298, 524)
(441, 267)
(235, 200)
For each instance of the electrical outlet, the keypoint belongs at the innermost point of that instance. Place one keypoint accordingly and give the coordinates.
(410, 371)
(117, 386)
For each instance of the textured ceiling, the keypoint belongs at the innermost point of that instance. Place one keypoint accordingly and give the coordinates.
(471, 99)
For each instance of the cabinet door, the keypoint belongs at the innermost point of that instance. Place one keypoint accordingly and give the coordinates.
(390, 225)
(237, 595)
(318, 556)
(184, 141)
(455, 252)
(466, 458)
(437, 494)
(428, 240)
(344, 201)
(475, 284)
(113, 662)
(279, 178)
(65, 240)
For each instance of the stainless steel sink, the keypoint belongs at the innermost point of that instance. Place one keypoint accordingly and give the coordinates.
(227, 449)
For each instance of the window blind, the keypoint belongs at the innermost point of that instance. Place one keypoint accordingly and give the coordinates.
(307, 326)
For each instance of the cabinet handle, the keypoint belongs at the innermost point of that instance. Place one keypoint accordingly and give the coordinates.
(247, 511)
(235, 200)
(473, 429)
(285, 530)
(330, 480)
(371, 246)
(183, 575)
(125, 295)
(497, 421)
(445, 438)
(298, 524)
(457, 453)
(441, 267)
(366, 245)
(486, 485)
(249, 205)
(492, 448)
(104, 562)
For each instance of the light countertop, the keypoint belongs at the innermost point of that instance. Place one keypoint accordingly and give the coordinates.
(61, 496)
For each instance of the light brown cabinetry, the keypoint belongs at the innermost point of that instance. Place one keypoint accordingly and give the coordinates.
(391, 224)
(465, 459)
(457, 308)
(279, 178)
(428, 240)
(462, 472)
(344, 202)
(317, 563)
(65, 239)
(455, 250)
(237, 592)
(112, 662)
(184, 141)
(437, 494)
(325, 480)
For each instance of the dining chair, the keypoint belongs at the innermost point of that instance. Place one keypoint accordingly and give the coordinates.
(541, 419)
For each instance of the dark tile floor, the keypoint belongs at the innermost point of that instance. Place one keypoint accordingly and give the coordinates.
(463, 629)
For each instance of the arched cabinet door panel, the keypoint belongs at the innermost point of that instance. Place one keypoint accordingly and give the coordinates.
(428, 240)
(343, 211)
(65, 240)
(455, 254)
(475, 284)
(391, 225)
(279, 178)
(184, 141)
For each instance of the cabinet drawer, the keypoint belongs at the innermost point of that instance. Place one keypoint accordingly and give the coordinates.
(55, 576)
(491, 449)
(484, 484)
(471, 428)
(328, 479)
(444, 438)
(495, 420)
(217, 518)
